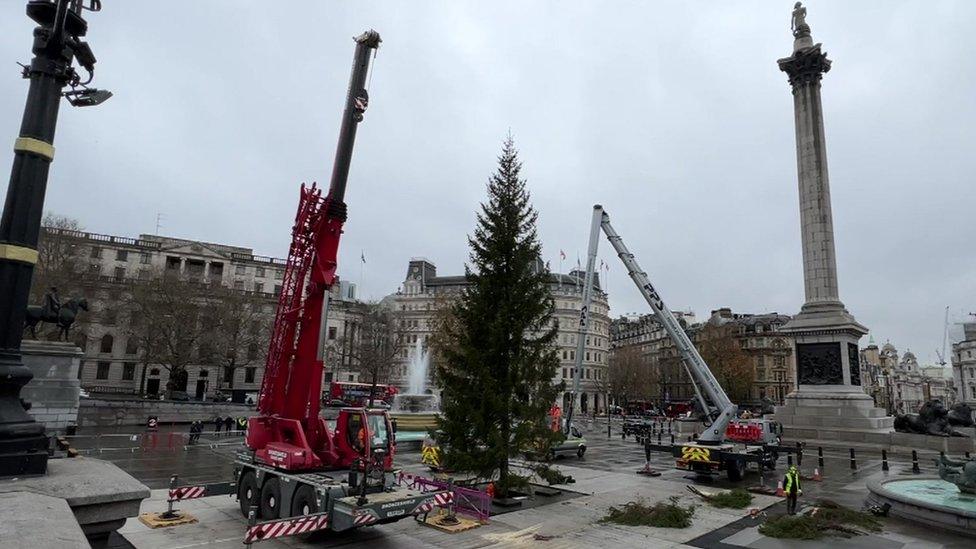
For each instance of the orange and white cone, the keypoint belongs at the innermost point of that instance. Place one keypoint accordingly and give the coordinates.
(816, 475)
(779, 489)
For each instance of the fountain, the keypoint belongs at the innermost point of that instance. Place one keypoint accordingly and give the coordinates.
(947, 503)
(415, 411)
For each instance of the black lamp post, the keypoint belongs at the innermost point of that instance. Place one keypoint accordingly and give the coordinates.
(57, 43)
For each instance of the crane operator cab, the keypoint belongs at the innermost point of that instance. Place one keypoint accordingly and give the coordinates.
(363, 436)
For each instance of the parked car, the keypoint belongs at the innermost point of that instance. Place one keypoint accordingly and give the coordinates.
(575, 443)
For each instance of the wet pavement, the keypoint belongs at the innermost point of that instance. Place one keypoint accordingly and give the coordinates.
(209, 461)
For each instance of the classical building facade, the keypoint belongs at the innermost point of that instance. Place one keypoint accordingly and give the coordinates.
(104, 269)
(964, 365)
(423, 293)
(898, 383)
(770, 351)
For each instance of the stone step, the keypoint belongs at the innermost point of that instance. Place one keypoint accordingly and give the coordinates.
(869, 423)
(832, 411)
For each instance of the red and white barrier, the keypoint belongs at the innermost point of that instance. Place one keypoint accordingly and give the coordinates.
(187, 492)
(440, 500)
(286, 527)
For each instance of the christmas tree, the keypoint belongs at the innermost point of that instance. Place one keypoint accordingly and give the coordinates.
(497, 372)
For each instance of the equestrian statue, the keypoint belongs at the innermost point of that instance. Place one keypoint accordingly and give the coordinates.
(63, 315)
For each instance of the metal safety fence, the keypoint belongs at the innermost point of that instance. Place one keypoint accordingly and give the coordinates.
(467, 501)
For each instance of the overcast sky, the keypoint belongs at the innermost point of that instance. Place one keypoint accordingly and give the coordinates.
(673, 115)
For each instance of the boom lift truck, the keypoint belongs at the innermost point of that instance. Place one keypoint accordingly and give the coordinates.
(728, 443)
(293, 464)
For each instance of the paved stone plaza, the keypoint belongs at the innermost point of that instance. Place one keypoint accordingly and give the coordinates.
(605, 477)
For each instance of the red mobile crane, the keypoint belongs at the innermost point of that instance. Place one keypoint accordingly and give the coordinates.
(289, 447)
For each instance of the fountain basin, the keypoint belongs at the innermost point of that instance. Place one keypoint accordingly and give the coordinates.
(415, 412)
(927, 500)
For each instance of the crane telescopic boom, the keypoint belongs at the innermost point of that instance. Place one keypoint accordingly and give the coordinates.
(288, 431)
(695, 365)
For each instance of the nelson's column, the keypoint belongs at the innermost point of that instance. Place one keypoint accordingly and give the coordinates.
(828, 402)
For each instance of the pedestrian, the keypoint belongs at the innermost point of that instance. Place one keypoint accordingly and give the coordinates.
(791, 485)
(194, 431)
(228, 423)
(218, 422)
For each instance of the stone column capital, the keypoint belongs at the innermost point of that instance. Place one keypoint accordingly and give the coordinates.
(805, 66)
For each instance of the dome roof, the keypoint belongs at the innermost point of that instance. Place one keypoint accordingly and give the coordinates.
(889, 347)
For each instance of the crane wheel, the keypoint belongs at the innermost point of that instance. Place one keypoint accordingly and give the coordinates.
(304, 502)
(270, 504)
(247, 492)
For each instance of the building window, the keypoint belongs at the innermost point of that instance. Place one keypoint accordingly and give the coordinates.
(121, 255)
(238, 284)
(252, 351)
(249, 375)
(351, 378)
(240, 269)
(131, 346)
(128, 371)
(279, 275)
(119, 274)
(204, 373)
(564, 373)
(145, 258)
(106, 344)
(103, 369)
(259, 272)
(332, 332)
(277, 289)
(259, 287)
(96, 252)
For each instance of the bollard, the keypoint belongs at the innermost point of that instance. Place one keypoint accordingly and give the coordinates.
(884, 460)
(608, 429)
(672, 439)
(820, 461)
(789, 460)
(853, 461)
(659, 438)
(915, 468)
(669, 426)
(169, 500)
(799, 454)
(623, 434)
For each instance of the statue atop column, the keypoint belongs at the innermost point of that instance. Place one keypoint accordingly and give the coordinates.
(799, 23)
(801, 31)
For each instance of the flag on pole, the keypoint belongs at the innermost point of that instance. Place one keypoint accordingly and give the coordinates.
(562, 255)
(362, 256)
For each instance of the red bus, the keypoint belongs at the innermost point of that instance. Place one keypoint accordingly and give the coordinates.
(342, 393)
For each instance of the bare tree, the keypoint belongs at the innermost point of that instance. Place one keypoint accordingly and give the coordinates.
(732, 366)
(241, 332)
(630, 375)
(171, 317)
(375, 345)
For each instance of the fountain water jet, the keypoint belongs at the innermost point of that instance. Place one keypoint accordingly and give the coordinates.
(416, 409)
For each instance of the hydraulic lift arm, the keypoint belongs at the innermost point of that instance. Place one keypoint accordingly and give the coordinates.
(583, 325)
(701, 376)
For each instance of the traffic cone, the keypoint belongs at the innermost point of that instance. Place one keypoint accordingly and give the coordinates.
(816, 474)
(779, 489)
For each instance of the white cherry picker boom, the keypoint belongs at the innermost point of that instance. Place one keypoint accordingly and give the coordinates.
(728, 443)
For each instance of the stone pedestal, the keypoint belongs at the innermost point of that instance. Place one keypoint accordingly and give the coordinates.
(53, 393)
(101, 496)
